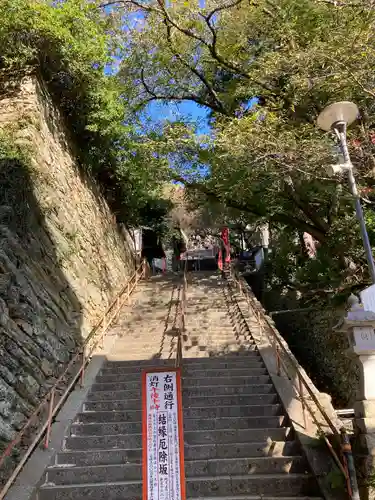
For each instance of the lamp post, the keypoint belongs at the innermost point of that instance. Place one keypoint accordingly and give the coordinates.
(337, 117)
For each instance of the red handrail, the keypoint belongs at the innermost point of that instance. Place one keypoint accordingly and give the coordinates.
(50, 397)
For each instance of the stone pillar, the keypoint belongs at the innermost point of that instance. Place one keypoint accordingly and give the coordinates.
(359, 325)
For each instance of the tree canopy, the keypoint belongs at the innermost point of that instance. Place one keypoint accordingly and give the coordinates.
(264, 70)
(261, 69)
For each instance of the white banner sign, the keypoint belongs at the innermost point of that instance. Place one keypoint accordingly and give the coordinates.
(163, 460)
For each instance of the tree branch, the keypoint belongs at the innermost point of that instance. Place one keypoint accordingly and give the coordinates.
(130, 2)
(235, 68)
(303, 206)
(197, 73)
(174, 97)
(223, 7)
(210, 45)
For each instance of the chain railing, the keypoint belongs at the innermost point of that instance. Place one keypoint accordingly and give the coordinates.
(287, 364)
(182, 312)
(40, 422)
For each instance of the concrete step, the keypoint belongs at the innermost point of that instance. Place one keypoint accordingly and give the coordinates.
(222, 436)
(193, 469)
(197, 452)
(191, 402)
(190, 424)
(207, 486)
(108, 391)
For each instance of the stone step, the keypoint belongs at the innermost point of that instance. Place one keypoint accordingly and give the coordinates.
(229, 436)
(243, 466)
(89, 417)
(123, 376)
(197, 452)
(263, 497)
(252, 484)
(221, 436)
(226, 346)
(191, 402)
(207, 391)
(112, 405)
(207, 486)
(139, 364)
(242, 450)
(238, 360)
(150, 359)
(230, 400)
(228, 373)
(196, 412)
(193, 469)
(221, 381)
(204, 363)
(98, 457)
(229, 379)
(108, 391)
(261, 388)
(190, 424)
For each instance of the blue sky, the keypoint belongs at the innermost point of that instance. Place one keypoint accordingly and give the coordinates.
(157, 111)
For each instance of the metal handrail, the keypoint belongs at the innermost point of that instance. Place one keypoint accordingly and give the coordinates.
(83, 357)
(182, 324)
(302, 383)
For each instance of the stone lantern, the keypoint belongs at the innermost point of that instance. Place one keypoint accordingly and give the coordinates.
(359, 325)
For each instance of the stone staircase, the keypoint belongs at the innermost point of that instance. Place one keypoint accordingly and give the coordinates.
(238, 441)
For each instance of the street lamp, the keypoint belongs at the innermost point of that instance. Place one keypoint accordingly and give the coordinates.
(337, 117)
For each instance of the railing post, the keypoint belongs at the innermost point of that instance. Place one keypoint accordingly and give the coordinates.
(348, 456)
(278, 360)
(260, 326)
(104, 329)
(83, 367)
(302, 396)
(49, 421)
